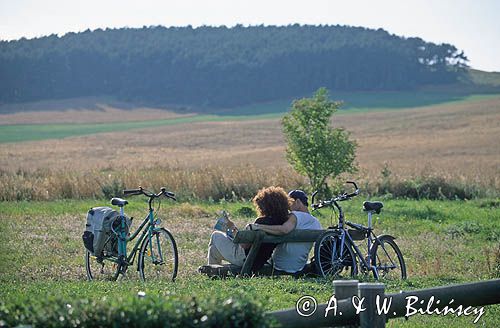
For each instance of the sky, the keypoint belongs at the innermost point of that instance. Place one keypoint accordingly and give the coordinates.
(470, 25)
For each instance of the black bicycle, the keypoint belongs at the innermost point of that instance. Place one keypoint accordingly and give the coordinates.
(337, 254)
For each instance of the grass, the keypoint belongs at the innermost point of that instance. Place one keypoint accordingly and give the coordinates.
(362, 102)
(443, 242)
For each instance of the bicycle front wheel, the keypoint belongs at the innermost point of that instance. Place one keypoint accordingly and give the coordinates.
(100, 269)
(333, 261)
(388, 259)
(158, 258)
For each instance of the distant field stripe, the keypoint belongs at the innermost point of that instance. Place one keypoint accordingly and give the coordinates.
(33, 132)
(362, 102)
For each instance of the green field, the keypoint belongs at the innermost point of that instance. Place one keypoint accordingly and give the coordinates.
(356, 102)
(33, 132)
(444, 242)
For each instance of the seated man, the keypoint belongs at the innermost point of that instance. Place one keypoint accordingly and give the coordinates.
(292, 257)
(272, 205)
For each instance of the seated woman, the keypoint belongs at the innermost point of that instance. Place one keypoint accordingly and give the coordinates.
(272, 205)
(292, 257)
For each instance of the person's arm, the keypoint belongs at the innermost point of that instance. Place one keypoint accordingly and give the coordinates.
(283, 229)
(246, 246)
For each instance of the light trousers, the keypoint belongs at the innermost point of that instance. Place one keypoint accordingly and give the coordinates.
(221, 247)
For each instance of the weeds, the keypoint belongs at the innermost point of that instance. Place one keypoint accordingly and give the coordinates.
(113, 189)
(211, 183)
(427, 187)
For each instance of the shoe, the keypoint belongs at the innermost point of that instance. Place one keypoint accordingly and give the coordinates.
(210, 270)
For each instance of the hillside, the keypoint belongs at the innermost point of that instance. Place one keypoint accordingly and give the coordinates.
(219, 67)
(455, 141)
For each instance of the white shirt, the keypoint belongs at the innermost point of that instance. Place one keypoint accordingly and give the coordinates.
(292, 257)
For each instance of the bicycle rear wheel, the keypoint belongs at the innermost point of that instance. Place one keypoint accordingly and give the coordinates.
(331, 262)
(100, 269)
(160, 259)
(388, 259)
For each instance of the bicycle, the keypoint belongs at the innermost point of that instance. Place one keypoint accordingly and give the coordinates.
(337, 254)
(157, 249)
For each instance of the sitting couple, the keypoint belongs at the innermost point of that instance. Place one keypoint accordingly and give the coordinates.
(279, 214)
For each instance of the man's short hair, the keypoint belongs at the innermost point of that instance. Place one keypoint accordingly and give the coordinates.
(299, 194)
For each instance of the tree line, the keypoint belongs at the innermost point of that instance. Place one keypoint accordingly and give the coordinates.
(220, 66)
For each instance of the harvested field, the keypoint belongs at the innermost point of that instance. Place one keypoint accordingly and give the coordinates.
(81, 110)
(458, 139)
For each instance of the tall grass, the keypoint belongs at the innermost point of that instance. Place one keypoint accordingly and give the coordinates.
(218, 183)
(209, 183)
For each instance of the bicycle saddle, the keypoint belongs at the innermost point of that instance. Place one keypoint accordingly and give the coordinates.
(373, 207)
(119, 202)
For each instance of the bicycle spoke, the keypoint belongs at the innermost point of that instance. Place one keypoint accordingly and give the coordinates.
(386, 253)
(161, 262)
(100, 269)
(389, 261)
(332, 262)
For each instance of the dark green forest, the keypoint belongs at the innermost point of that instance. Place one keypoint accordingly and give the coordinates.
(220, 66)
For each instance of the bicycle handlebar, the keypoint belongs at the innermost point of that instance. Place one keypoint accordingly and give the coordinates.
(338, 198)
(144, 192)
(132, 192)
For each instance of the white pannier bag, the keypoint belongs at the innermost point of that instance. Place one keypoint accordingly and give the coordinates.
(98, 236)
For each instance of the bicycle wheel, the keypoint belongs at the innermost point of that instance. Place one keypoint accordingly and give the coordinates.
(330, 261)
(388, 259)
(160, 260)
(100, 269)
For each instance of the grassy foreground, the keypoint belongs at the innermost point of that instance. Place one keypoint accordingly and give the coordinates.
(444, 242)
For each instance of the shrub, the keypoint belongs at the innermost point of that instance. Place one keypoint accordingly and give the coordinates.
(113, 189)
(427, 187)
(246, 211)
(133, 311)
(464, 228)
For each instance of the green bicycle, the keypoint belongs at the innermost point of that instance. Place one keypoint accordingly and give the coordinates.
(155, 246)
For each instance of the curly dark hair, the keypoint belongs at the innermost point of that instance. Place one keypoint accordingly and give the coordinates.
(272, 202)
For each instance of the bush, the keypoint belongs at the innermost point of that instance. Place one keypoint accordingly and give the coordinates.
(113, 189)
(134, 311)
(464, 228)
(246, 212)
(427, 187)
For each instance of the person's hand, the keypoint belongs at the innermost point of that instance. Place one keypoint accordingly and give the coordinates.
(252, 226)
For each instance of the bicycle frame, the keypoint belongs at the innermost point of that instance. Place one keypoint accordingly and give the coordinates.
(345, 234)
(366, 262)
(150, 227)
(346, 240)
(371, 239)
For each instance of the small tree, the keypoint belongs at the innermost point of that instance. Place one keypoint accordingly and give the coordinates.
(314, 148)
